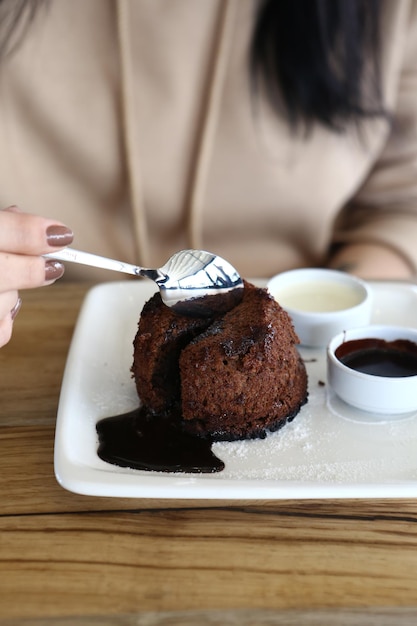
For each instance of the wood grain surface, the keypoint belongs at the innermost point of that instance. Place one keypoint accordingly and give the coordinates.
(238, 617)
(77, 560)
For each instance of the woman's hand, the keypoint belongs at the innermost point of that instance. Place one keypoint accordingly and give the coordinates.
(24, 238)
(371, 262)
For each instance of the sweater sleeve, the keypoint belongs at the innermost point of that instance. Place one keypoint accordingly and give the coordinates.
(384, 210)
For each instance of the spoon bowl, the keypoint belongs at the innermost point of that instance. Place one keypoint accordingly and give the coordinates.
(192, 282)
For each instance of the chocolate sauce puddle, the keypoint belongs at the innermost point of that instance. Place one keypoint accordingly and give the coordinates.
(146, 441)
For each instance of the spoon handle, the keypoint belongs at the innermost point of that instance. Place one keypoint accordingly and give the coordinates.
(86, 258)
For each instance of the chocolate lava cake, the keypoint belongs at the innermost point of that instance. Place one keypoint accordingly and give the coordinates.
(235, 376)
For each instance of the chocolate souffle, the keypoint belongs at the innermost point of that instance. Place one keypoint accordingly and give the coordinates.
(233, 376)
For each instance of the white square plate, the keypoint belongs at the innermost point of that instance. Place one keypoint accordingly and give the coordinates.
(329, 451)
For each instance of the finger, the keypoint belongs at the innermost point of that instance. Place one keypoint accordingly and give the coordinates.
(10, 312)
(6, 327)
(13, 209)
(24, 233)
(8, 302)
(25, 272)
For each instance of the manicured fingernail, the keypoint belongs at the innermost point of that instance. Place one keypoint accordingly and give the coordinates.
(59, 236)
(15, 310)
(53, 270)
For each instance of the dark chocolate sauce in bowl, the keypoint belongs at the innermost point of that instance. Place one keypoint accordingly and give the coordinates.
(146, 441)
(392, 359)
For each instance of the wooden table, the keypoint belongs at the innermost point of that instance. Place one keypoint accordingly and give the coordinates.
(76, 559)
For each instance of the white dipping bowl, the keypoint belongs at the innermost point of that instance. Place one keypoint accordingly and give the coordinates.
(369, 392)
(322, 302)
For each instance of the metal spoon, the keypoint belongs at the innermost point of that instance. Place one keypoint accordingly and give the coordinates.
(192, 282)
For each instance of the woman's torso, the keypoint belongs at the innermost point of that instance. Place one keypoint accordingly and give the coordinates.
(105, 101)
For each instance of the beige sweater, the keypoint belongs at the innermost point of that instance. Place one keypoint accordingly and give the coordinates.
(131, 121)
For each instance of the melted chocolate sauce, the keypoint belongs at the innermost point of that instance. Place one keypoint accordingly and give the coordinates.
(210, 305)
(394, 359)
(146, 441)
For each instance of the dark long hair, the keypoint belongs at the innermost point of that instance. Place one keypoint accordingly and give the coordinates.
(319, 59)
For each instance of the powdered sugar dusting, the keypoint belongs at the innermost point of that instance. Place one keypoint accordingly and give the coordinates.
(326, 442)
